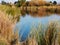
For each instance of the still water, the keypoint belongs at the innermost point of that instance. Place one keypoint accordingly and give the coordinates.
(25, 24)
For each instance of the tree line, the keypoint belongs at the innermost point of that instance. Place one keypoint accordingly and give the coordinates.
(29, 3)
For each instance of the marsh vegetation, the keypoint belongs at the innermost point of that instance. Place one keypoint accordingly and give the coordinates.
(11, 15)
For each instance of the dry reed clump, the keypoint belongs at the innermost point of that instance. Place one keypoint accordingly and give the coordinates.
(58, 34)
(3, 41)
(59, 39)
(51, 34)
(32, 41)
(7, 28)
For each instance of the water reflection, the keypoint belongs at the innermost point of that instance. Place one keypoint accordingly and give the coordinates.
(40, 11)
(26, 22)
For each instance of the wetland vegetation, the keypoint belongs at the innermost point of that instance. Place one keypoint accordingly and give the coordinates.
(30, 23)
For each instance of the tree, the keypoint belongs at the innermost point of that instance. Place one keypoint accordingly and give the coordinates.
(22, 1)
(19, 3)
(3, 2)
(54, 2)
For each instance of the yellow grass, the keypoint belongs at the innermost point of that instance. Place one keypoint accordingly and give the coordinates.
(7, 29)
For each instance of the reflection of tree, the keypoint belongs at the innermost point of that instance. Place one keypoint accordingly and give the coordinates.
(27, 3)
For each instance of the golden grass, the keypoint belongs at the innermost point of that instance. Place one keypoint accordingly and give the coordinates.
(7, 30)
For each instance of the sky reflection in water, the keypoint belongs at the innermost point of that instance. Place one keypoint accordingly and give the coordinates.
(25, 23)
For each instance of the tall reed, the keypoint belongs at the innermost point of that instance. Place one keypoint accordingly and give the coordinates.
(7, 29)
(44, 37)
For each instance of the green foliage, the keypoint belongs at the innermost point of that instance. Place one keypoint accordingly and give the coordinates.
(19, 3)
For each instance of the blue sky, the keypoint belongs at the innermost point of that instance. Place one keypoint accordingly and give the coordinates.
(28, 0)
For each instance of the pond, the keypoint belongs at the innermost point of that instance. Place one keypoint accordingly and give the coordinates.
(25, 24)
